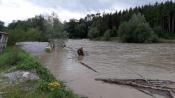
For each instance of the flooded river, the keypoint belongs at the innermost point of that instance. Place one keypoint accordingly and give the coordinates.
(111, 60)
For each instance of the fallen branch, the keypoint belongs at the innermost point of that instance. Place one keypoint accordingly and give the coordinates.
(148, 93)
(88, 67)
(157, 85)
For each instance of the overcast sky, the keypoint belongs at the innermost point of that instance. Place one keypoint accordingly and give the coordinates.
(22, 9)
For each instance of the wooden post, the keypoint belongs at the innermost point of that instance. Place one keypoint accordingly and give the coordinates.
(3, 41)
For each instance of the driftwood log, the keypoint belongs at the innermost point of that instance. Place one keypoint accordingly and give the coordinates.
(161, 87)
(88, 67)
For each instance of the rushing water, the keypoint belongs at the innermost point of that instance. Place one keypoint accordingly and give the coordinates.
(111, 60)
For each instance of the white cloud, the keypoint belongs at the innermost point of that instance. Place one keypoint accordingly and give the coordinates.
(19, 9)
(22, 9)
(66, 14)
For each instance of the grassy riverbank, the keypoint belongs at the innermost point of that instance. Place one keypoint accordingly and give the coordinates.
(46, 87)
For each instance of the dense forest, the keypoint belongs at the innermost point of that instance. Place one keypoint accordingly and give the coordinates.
(147, 23)
(160, 17)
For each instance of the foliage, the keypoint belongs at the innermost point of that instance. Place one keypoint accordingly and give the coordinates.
(113, 32)
(93, 32)
(9, 58)
(54, 85)
(48, 49)
(123, 31)
(17, 91)
(29, 63)
(21, 60)
(144, 33)
(157, 15)
(107, 35)
(137, 30)
(163, 35)
(53, 27)
(62, 93)
(160, 17)
(38, 28)
(46, 87)
(75, 29)
(158, 30)
(17, 35)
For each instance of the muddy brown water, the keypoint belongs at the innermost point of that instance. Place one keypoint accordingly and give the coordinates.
(111, 60)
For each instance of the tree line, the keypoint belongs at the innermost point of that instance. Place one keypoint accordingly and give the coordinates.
(38, 28)
(160, 18)
(147, 23)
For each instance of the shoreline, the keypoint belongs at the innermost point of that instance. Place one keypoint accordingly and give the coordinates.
(23, 68)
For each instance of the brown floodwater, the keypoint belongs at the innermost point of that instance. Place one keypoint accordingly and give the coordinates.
(111, 60)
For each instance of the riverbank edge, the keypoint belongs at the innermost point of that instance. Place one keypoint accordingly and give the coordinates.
(117, 39)
(15, 59)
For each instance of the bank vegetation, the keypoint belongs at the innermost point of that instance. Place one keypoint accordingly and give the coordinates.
(16, 60)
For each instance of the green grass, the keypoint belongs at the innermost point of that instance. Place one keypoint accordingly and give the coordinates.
(17, 59)
(31, 89)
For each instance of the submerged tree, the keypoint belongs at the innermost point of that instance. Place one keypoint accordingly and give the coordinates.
(54, 27)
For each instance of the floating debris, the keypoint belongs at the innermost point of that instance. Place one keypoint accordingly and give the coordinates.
(88, 67)
(150, 87)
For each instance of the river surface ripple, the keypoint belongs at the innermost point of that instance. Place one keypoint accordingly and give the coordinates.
(111, 60)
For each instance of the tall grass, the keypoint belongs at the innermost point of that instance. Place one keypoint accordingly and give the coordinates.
(15, 57)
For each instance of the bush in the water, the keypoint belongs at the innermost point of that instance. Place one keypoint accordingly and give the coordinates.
(137, 30)
(48, 49)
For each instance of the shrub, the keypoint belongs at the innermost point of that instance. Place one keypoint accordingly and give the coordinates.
(124, 32)
(46, 87)
(31, 64)
(9, 58)
(114, 32)
(93, 32)
(158, 30)
(43, 86)
(62, 93)
(48, 49)
(143, 33)
(107, 35)
(137, 30)
(23, 61)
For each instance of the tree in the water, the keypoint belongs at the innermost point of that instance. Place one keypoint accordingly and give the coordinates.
(54, 27)
(137, 30)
